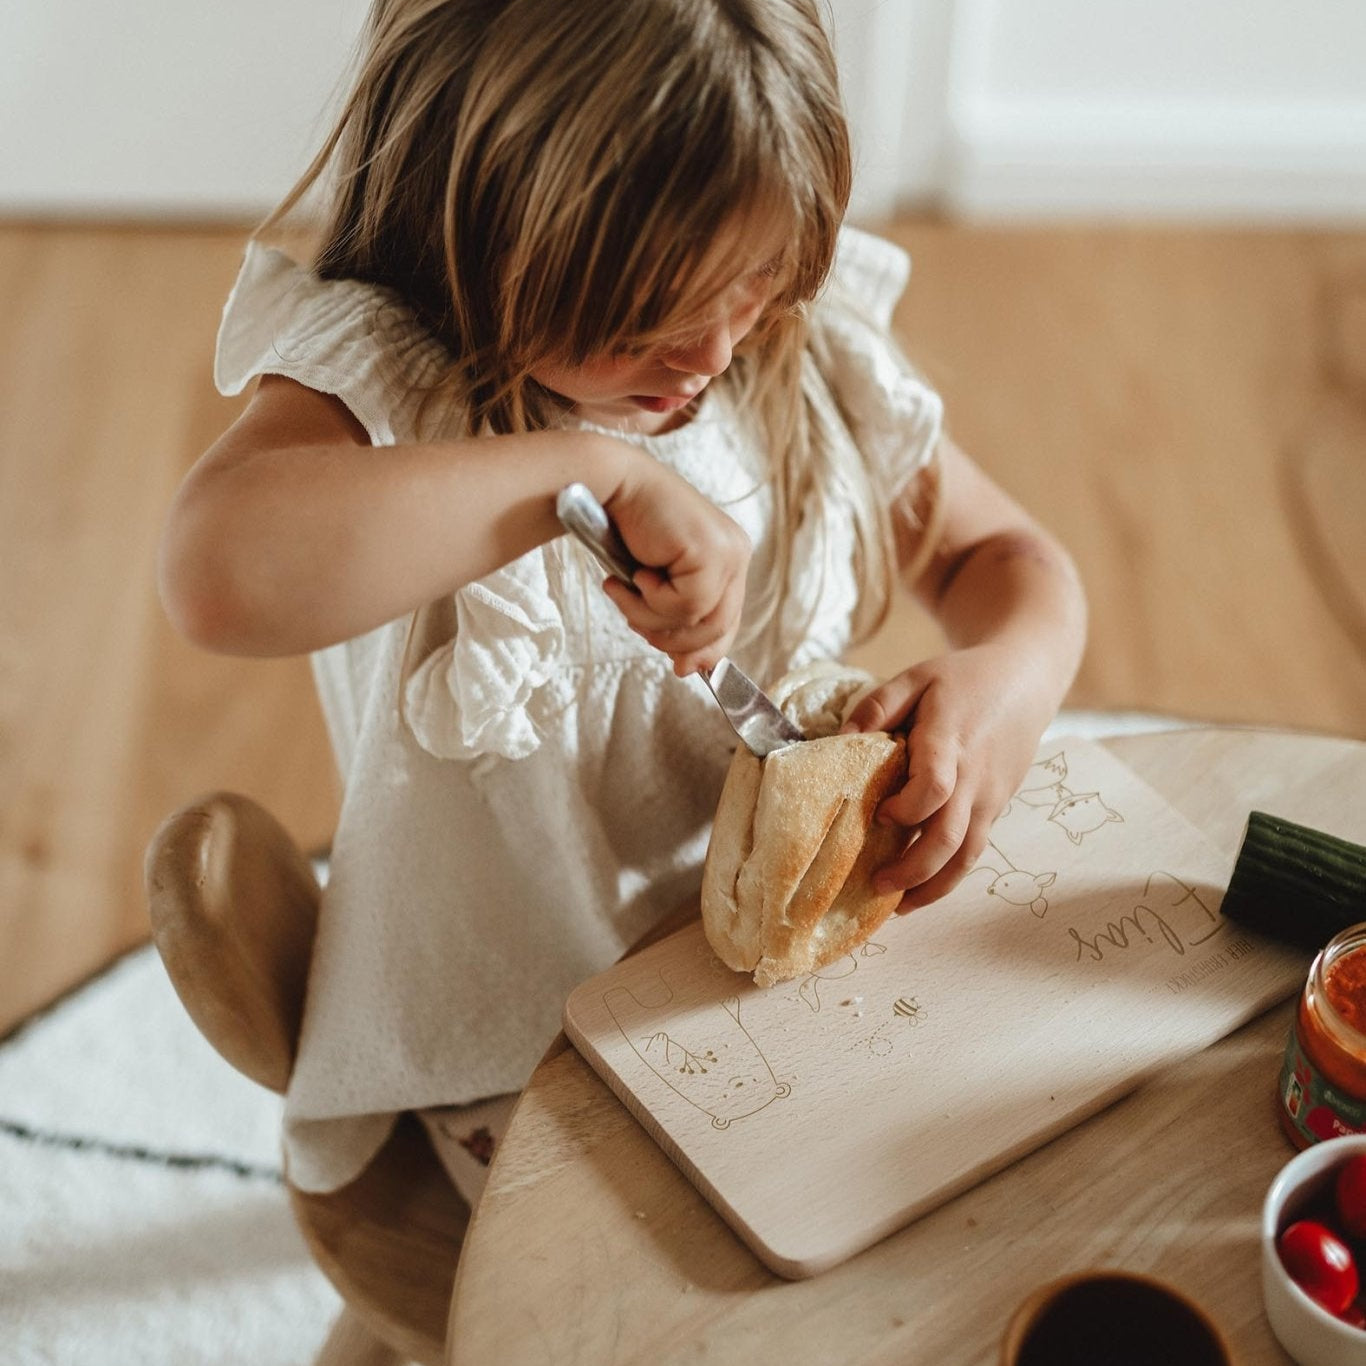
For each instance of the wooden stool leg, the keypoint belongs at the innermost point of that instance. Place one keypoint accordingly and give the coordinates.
(351, 1343)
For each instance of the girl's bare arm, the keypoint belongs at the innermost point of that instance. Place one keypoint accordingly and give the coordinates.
(292, 532)
(997, 575)
(1012, 607)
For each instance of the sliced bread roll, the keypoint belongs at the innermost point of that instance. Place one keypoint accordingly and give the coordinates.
(787, 885)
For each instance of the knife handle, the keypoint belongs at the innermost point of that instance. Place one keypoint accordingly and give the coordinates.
(586, 519)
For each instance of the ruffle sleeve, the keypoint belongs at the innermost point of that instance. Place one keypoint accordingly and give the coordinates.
(347, 338)
(478, 681)
(893, 415)
(480, 692)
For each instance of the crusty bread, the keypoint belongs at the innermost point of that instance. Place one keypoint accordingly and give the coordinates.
(787, 884)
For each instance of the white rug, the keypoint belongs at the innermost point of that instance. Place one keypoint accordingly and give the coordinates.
(142, 1219)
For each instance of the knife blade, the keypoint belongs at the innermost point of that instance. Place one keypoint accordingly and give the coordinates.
(755, 717)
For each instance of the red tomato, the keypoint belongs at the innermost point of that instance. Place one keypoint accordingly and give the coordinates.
(1353, 1314)
(1349, 1194)
(1320, 1263)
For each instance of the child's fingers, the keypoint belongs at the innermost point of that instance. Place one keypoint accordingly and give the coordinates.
(888, 705)
(932, 778)
(697, 647)
(640, 616)
(982, 814)
(689, 599)
(653, 602)
(665, 632)
(691, 647)
(695, 661)
(946, 879)
(947, 846)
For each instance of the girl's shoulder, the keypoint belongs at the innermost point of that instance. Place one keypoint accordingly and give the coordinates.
(868, 277)
(894, 416)
(348, 338)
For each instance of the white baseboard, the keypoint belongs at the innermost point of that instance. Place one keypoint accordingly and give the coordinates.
(1296, 164)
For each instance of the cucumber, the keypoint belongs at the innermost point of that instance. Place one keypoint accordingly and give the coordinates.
(1295, 884)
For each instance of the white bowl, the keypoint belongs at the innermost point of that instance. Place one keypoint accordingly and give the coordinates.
(1308, 1332)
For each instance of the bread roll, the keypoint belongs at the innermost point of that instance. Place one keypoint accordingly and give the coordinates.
(787, 883)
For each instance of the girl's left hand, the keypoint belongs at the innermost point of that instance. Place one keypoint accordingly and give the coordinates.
(973, 719)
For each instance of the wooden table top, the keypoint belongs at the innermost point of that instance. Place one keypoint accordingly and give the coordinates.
(590, 1247)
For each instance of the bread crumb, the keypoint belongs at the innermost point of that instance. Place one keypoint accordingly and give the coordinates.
(640, 1214)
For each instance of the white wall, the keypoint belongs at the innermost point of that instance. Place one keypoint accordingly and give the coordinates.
(180, 108)
(1246, 109)
(894, 60)
(1236, 109)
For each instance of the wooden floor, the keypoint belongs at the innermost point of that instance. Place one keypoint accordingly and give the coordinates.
(1186, 408)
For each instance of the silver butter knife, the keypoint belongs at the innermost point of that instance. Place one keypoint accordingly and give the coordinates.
(754, 715)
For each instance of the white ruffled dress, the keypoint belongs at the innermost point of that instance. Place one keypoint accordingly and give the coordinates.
(527, 786)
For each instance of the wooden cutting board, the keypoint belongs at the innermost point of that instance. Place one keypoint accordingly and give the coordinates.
(1083, 953)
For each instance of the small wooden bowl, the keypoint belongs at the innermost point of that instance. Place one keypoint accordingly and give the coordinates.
(1120, 1318)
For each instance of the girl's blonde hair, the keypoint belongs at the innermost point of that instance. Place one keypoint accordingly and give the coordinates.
(540, 179)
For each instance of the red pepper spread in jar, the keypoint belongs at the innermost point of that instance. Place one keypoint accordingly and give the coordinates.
(1345, 988)
(1323, 1080)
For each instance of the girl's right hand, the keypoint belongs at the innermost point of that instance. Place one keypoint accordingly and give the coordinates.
(691, 590)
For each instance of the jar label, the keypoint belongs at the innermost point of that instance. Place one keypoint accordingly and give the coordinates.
(1316, 1109)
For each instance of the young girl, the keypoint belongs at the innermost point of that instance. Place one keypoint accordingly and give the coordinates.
(594, 242)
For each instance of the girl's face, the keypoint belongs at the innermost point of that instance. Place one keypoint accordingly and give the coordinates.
(650, 389)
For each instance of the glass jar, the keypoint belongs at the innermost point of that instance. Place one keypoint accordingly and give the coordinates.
(1323, 1079)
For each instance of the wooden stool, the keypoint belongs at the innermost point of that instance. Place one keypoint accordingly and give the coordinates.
(234, 908)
